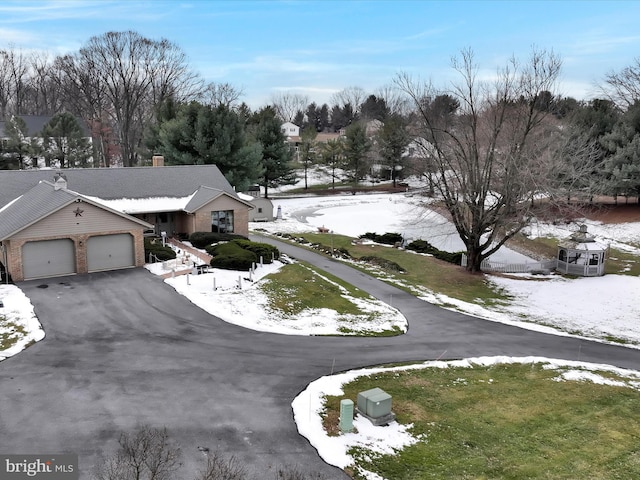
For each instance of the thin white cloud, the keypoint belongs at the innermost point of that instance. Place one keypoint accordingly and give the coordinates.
(598, 44)
(268, 64)
(11, 36)
(432, 32)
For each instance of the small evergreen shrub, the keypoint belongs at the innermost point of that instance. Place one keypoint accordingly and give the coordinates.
(162, 253)
(422, 246)
(382, 263)
(202, 239)
(264, 250)
(387, 238)
(231, 256)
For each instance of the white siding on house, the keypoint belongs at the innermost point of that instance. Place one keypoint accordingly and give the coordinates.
(290, 129)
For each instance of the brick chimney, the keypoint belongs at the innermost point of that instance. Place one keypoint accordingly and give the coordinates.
(157, 161)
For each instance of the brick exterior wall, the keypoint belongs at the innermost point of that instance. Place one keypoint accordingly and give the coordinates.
(202, 221)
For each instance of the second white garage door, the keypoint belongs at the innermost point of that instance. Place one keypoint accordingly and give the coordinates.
(110, 252)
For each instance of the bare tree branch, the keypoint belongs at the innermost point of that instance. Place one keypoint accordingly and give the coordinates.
(494, 150)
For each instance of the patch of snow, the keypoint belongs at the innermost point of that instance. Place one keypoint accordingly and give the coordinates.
(145, 205)
(18, 310)
(238, 299)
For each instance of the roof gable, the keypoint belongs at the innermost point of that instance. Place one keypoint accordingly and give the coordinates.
(204, 195)
(41, 201)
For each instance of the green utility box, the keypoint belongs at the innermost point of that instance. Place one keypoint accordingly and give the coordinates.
(346, 416)
(374, 403)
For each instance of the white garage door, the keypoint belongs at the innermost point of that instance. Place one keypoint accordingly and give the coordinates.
(110, 252)
(48, 258)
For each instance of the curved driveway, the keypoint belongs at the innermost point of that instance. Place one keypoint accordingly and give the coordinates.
(123, 348)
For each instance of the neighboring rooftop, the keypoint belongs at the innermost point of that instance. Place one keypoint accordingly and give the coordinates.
(35, 124)
(118, 183)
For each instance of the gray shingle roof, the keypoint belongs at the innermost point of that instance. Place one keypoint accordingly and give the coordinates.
(115, 183)
(39, 202)
(35, 124)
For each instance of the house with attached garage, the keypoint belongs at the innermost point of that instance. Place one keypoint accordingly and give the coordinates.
(55, 223)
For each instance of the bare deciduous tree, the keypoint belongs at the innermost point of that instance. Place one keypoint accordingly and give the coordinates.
(496, 152)
(147, 453)
(43, 95)
(221, 468)
(123, 75)
(221, 94)
(14, 69)
(395, 101)
(287, 105)
(293, 472)
(353, 96)
(623, 87)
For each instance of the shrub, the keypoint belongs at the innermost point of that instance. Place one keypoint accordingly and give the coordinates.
(387, 238)
(422, 246)
(264, 250)
(161, 252)
(202, 239)
(231, 256)
(382, 263)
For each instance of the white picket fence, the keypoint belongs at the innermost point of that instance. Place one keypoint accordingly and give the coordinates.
(489, 265)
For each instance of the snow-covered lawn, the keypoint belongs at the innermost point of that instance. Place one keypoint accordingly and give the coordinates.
(599, 307)
(20, 326)
(237, 298)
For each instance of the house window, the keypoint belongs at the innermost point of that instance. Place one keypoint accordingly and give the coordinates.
(259, 209)
(222, 221)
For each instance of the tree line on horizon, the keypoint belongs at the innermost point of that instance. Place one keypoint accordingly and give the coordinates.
(488, 149)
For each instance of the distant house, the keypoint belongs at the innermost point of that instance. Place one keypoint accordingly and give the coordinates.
(290, 130)
(87, 220)
(35, 124)
(324, 137)
(419, 148)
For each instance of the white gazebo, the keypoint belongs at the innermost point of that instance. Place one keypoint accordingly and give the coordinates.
(581, 255)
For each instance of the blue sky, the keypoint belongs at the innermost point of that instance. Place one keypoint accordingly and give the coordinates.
(316, 48)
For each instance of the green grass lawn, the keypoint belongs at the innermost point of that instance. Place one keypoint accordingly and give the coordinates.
(300, 286)
(622, 263)
(420, 271)
(10, 333)
(508, 421)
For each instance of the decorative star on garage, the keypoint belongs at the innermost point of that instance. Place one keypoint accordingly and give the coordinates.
(78, 211)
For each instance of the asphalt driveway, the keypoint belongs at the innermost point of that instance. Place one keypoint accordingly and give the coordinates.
(122, 348)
